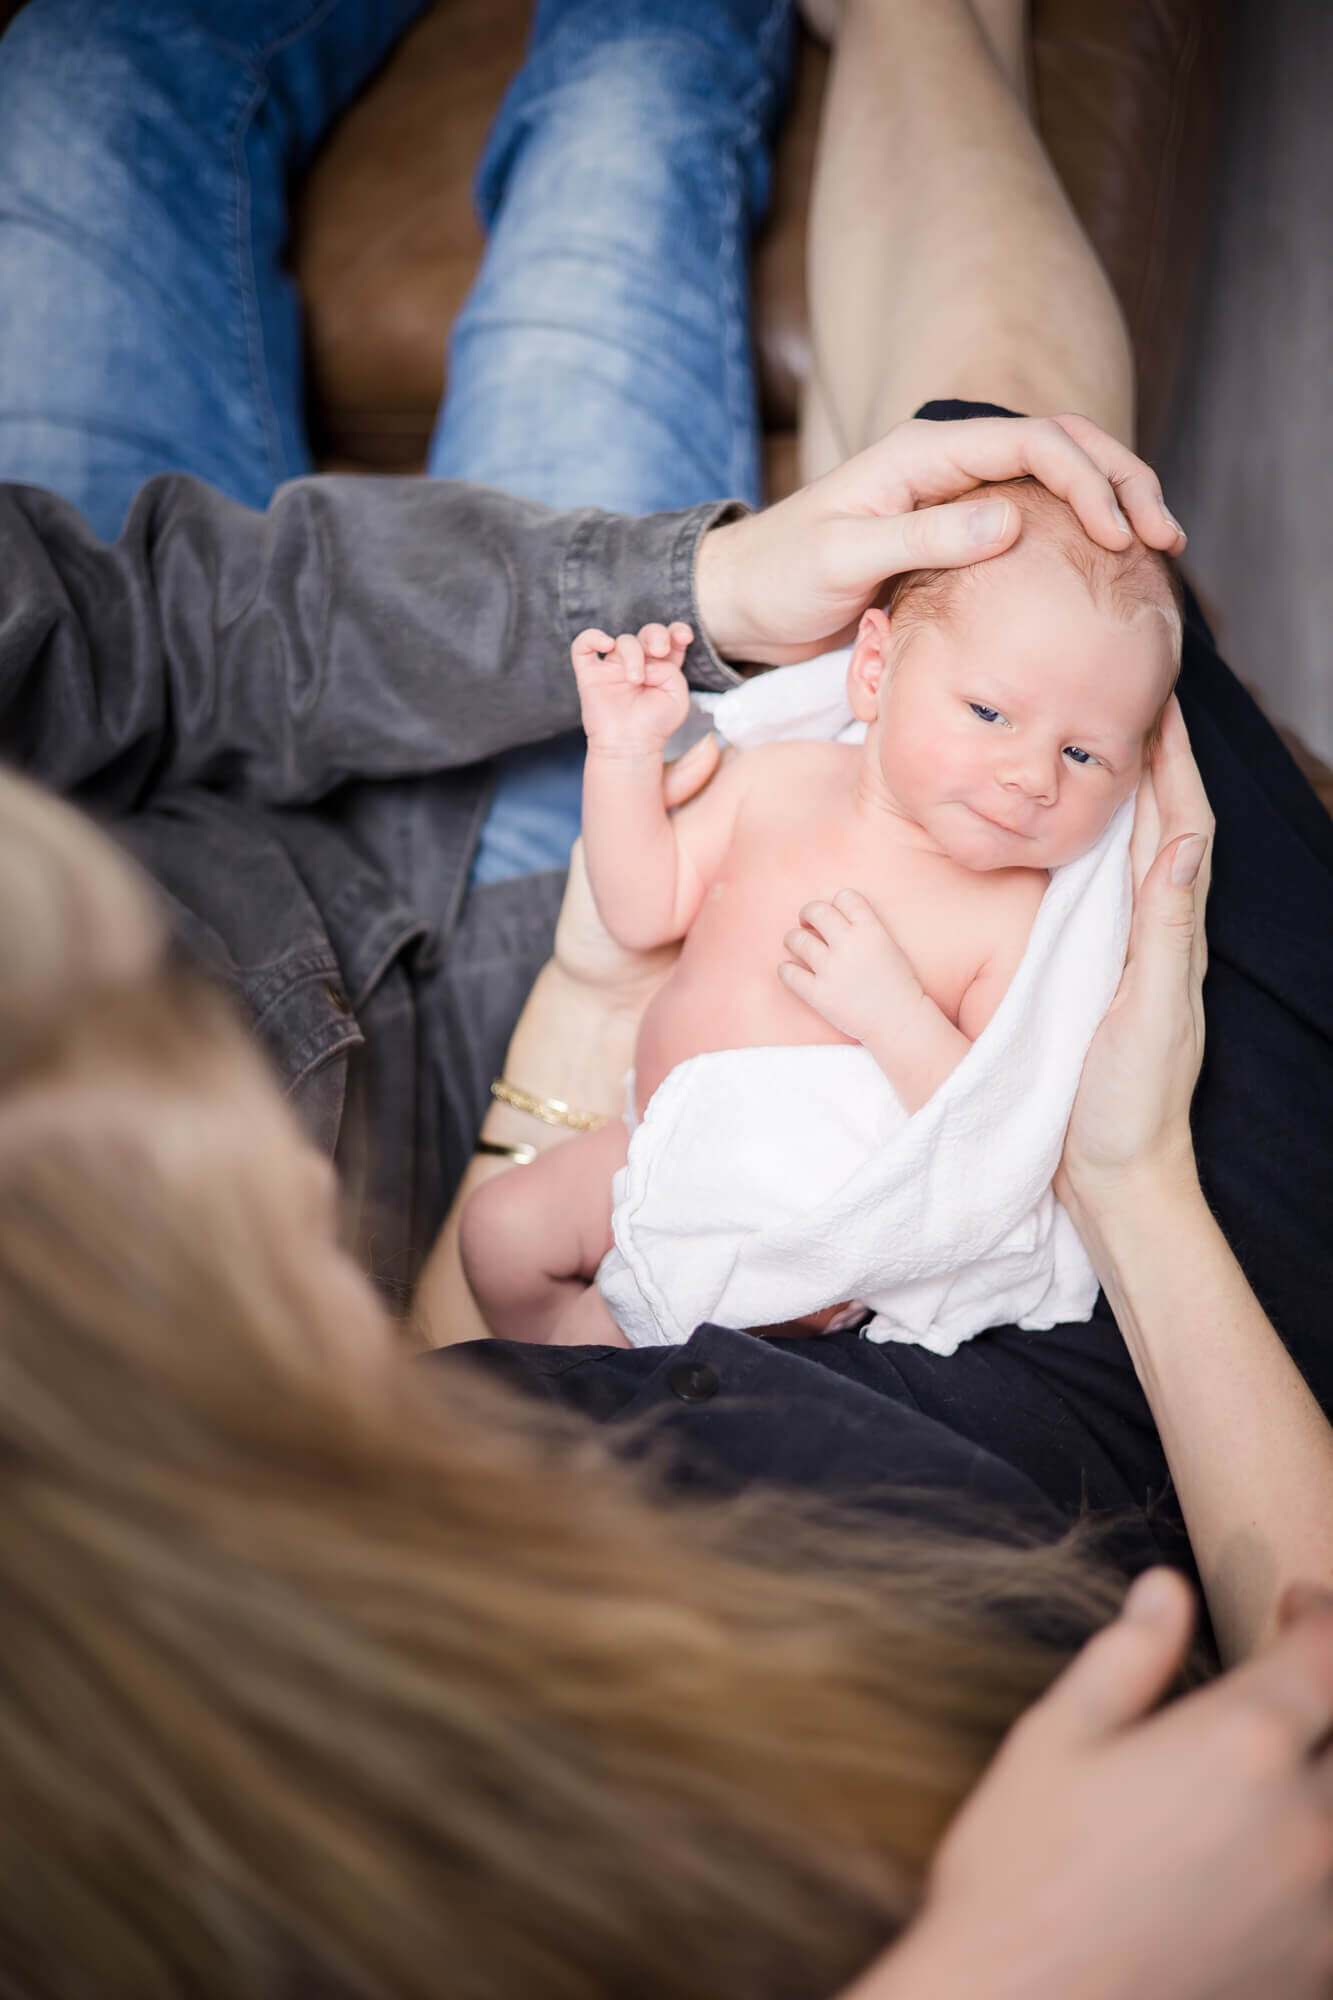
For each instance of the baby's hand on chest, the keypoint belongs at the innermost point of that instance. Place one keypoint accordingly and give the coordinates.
(843, 961)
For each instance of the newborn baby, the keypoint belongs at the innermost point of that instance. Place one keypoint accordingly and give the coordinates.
(879, 893)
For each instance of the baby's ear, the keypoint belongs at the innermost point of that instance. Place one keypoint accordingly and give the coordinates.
(865, 669)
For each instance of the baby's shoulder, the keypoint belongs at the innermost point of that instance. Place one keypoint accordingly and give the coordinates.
(771, 769)
(1010, 899)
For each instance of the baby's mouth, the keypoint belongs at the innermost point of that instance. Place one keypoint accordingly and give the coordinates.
(1001, 825)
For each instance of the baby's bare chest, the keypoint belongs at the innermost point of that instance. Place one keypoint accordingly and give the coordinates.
(780, 859)
(794, 843)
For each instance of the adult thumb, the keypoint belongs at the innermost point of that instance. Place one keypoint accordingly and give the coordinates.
(1122, 1672)
(1167, 917)
(1187, 859)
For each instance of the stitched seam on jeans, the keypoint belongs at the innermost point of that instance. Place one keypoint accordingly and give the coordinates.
(247, 291)
(741, 410)
(742, 389)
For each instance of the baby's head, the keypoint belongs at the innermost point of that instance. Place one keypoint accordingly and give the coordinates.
(1015, 702)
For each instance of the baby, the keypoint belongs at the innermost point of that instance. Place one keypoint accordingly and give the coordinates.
(879, 893)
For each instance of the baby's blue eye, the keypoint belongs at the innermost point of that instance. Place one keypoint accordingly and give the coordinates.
(986, 714)
(1079, 756)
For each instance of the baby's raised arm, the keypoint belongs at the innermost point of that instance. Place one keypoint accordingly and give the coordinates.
(648, 870)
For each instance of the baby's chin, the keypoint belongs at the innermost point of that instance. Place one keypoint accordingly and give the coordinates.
(985, 849)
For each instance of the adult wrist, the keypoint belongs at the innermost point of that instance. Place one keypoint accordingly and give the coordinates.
(573, 1042)
(720, 616)
(1128, 1221)
(1115, 1197)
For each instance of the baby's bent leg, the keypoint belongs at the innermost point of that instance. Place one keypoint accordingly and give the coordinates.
(531, 1241)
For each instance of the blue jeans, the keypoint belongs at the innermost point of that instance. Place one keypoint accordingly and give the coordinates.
(147, 323)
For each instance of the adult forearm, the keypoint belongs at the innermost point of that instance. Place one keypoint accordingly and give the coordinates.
(358, 628)
(1250, 1451)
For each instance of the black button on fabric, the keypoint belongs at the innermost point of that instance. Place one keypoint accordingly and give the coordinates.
(692, 1381)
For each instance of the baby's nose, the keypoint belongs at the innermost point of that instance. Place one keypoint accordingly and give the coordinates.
(1036, 774)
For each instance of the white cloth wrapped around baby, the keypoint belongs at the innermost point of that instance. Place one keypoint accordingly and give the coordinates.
(763, 1184)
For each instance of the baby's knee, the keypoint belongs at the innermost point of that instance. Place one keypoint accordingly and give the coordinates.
(494, 1227)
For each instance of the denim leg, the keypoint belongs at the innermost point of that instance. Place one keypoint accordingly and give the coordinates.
(603, 356)
(146, 321)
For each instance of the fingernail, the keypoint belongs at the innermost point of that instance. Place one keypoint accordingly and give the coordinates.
(1149, 1596)
(1172, 519)
(988, 523)
(1118, 513)
(1188, 860)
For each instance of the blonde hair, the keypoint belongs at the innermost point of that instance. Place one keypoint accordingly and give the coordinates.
(319, 1664)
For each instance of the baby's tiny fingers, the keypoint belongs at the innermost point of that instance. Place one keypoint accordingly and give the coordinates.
(655, 640)
(823, 919)
(803, 945)
(630, 654)
(682, 635)
(589, 643)
(798, 977)
(663, 671)
(853, 905)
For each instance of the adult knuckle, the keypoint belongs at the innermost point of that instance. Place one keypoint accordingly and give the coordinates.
(1049, 435)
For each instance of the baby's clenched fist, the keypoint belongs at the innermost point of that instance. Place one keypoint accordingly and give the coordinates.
(632, 690)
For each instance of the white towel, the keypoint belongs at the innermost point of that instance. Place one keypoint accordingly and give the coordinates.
(763, 1184)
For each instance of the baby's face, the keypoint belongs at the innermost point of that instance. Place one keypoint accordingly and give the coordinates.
(1012, 728)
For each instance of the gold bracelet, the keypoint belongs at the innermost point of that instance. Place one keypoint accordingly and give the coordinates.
(551, 1110)
(522, 1156)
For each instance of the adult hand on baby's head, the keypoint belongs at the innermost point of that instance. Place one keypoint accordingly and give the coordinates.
(792, 581)
(1131, 1114)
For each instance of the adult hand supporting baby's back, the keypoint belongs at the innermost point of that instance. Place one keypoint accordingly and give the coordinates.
(792, 581)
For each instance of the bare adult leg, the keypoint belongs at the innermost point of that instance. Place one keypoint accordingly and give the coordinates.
(944, 257)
